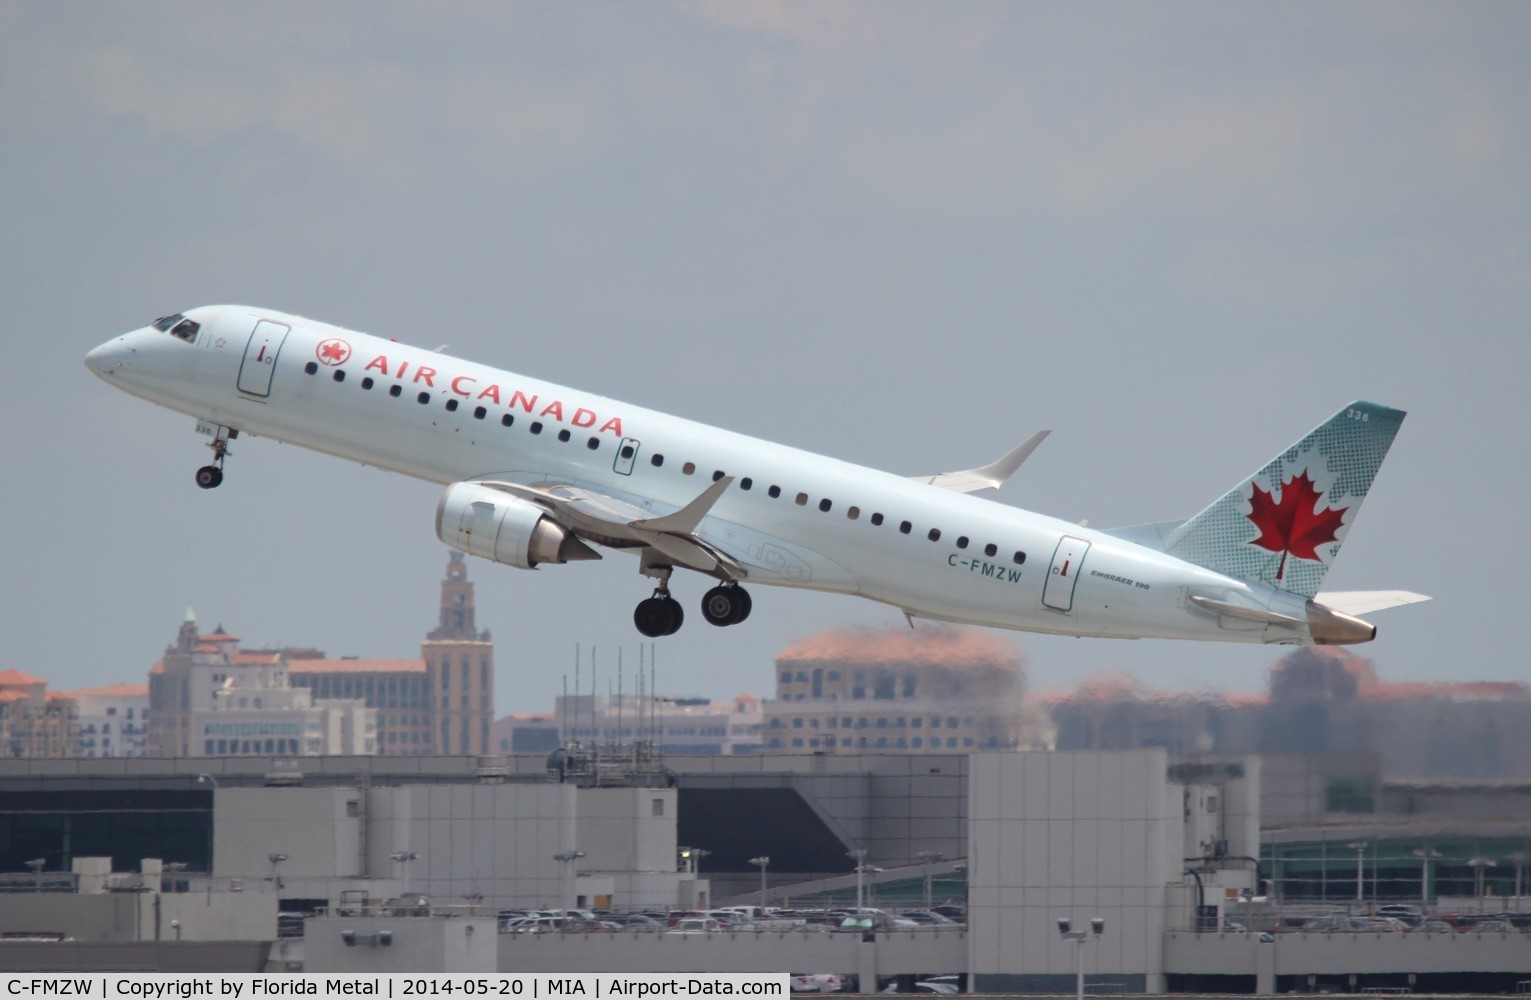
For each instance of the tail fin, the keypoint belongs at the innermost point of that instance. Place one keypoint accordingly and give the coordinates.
(1284, 524)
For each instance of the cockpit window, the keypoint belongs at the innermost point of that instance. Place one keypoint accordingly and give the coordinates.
(179, 326)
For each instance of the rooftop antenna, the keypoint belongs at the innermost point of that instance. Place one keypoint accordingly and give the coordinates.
(576, 692)
(595, 729)
(619, 696)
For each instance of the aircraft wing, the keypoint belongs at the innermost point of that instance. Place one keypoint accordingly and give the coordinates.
(986, 477)
(608, 521)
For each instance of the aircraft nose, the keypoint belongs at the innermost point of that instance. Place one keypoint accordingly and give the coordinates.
(109, 358)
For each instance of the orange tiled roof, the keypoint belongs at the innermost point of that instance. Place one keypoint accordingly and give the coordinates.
(245, 659)
(17, 677)
(113, 691)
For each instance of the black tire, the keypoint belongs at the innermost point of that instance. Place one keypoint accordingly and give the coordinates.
(677, 615)
(209, 476)
(720, 607)
(655, 617)
(746, 604)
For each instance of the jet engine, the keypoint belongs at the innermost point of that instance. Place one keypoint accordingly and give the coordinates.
(483, 521)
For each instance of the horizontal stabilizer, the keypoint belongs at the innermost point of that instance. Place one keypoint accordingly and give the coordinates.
(1364, 602)
(987, 477)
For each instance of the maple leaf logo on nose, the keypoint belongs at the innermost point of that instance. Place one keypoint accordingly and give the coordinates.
(1293, 525)
(334, 352)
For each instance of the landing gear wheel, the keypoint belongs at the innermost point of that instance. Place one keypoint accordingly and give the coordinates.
(209, 476)
(658, 616)
(726, 605)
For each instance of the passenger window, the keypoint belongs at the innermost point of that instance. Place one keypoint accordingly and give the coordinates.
(395, 391)
(310, 368)
(774, 492)
(991, 550)
(340, 375)
(424, 398)
(367, 382)
(746, 483)
(593, 443)
(688, 468)
(627, 451)
(657, 461)
(852, 512)
(962, 541)
(905, 527)
(802, 499)
(934, 535)
(877, 519)
(717, 475)
(536, 427)
(479, 413)
(1020, 557)
(564, 435)
(824, 505)
(451, 406)
(507, 420)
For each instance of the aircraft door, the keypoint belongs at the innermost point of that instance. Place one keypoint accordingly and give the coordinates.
(627, 454)
(1058, 592)
(260, 357)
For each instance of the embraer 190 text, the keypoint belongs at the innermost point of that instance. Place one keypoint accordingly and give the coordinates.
(536, 473)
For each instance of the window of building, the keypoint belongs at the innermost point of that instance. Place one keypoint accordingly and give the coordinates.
(656, 807)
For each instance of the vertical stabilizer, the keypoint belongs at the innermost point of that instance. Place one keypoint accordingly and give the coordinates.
(1285, 524)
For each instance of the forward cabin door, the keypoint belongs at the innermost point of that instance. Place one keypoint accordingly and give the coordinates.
(627, 454)
(1058, 593)
(260, 357)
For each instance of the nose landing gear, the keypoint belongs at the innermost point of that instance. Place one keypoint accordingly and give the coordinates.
(209, 476)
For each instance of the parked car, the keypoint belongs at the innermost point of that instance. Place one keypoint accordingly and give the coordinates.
(929, 918)
(1409, 914)
(817, 982)
(695, 925)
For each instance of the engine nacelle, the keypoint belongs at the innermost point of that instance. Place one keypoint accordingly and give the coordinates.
(483, 521)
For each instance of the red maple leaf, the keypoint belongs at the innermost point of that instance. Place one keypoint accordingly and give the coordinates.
(333, 349)
(1294, 524)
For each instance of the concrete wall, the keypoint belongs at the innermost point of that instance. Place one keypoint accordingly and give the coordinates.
(142, 916)
(1344, 954)
(899, 952)
(418, 944)
(627, 829)
(309, 825)
(1075, 835)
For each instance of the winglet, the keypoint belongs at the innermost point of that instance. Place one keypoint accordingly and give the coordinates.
(987, 477)
(685, 520)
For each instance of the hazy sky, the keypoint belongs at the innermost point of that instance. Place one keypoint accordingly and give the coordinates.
(908, 235)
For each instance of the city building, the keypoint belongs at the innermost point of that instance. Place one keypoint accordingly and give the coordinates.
(113, 720)
(208, 692)
(669, 725)
(35, 722)
(935, 688)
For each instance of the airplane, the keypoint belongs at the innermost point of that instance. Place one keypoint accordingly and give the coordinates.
(540, 474)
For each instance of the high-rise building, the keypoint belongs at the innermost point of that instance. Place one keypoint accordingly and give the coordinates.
(113, 720)
(35, 722)
(459, 666)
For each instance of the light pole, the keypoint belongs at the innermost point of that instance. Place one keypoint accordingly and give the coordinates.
(1359, 846)
(207, 779)
(697, 854)
(404, 858)
(567, 859)
(276, 880)
(763, 862)
(860, 856)
(1097, 928)
(1518, 858)
(1425, 856)
(1478, 865)
(926, 858)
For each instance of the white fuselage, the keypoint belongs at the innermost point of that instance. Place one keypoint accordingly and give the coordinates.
(929, 551)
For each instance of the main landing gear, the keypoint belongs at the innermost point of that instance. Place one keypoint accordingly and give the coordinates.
(728, 604)
(209, 476)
